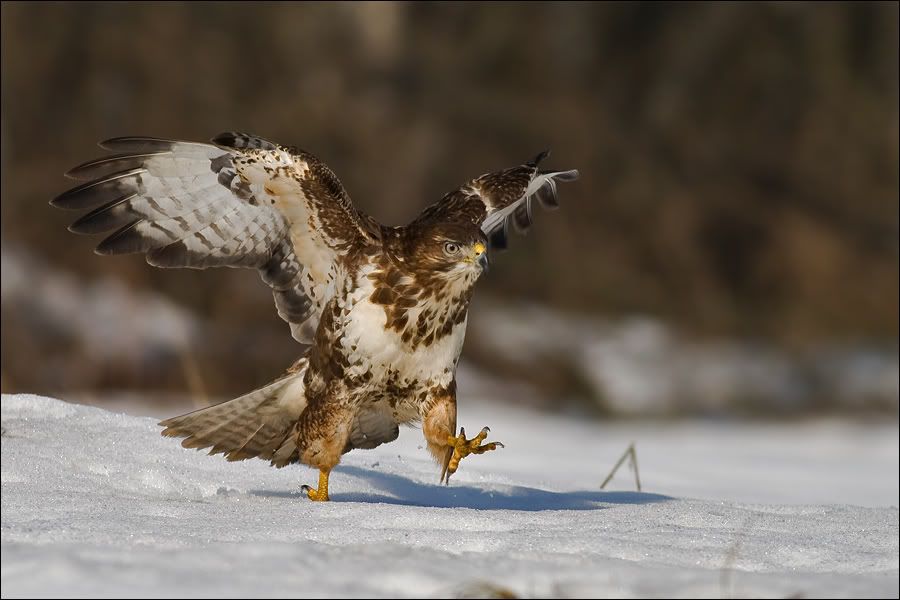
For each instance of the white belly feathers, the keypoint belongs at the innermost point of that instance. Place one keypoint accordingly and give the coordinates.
(367, 343)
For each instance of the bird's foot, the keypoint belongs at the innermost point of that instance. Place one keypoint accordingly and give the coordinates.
(463, 447)
(320, 494)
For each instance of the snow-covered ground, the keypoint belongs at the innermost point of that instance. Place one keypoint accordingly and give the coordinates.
(97, 503)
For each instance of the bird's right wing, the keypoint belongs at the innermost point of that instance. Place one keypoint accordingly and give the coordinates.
(239, 202)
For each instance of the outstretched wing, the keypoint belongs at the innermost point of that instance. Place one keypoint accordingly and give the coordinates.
(495, 200)
(241, 201)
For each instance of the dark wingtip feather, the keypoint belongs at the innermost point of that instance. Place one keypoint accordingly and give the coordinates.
(106, 218)
(82, 227)
(109, 165)
(74, 199)
(134, 143)
(499, 238)
(522, 218)
(126, 240)
(537, 159)
(65, 200)
(546, 195)
(94, 193)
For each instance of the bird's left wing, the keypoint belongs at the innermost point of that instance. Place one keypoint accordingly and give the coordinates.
(240, 201)
(495, 200)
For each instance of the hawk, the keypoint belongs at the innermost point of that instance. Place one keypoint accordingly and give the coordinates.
(382, 310)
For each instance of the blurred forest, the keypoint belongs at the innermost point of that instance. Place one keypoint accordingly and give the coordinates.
(739, 166)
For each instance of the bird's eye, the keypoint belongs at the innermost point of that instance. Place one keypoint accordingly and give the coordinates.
(451, 248)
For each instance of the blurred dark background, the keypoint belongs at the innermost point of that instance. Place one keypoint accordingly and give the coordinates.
(732, 244)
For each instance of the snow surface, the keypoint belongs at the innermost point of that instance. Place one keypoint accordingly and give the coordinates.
(98, 503)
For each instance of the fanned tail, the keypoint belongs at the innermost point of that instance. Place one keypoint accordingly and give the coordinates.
(257, 425)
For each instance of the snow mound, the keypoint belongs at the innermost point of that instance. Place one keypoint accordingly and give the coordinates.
(99, 504)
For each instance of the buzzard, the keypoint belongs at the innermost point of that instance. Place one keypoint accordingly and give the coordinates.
(381, 310)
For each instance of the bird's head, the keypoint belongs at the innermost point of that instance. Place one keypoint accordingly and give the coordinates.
(447, 250)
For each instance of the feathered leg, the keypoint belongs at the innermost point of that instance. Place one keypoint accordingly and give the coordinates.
(438, 424)
(321, 437)
(439, 427)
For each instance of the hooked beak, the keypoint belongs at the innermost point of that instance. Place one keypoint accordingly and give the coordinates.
(481, 257)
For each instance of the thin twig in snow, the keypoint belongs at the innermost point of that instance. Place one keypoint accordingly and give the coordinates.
(630, 453)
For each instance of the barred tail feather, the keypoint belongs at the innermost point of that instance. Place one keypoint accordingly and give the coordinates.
(257, 425)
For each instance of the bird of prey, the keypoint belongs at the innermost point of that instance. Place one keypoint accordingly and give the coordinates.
(382, 310)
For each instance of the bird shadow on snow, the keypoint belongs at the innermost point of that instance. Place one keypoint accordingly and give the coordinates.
(402, 491)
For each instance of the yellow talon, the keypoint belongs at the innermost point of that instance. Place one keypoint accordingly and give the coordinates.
(320, 494)
(463, 447)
